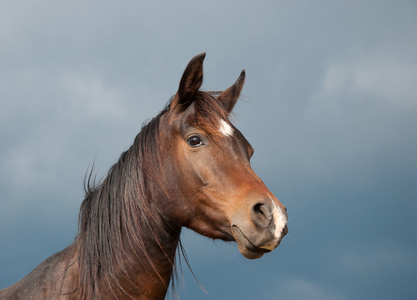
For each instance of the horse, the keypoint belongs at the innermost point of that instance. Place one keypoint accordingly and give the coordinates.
(188, 167)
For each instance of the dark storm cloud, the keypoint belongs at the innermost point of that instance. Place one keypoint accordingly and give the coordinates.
(330, 106)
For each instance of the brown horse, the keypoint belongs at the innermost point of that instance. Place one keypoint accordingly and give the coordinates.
(189, 166)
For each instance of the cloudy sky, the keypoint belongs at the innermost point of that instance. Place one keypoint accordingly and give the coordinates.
(330, 106)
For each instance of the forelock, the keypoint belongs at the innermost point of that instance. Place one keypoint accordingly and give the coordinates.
(209, 113)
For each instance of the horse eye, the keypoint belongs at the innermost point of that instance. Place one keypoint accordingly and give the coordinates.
(194, 141)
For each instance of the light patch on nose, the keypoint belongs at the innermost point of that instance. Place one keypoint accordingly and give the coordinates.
(280, 221)
(225, 128)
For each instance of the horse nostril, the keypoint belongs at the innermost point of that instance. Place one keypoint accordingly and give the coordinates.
(258, 208)
(261, 214)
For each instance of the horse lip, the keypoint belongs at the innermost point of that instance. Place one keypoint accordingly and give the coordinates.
(228, 237)
(245, 246)
(271, 247)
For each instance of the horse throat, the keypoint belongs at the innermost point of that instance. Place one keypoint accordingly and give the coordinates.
(151, 267)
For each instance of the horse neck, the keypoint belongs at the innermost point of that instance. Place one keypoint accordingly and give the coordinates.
(138, 266)
(126, 247)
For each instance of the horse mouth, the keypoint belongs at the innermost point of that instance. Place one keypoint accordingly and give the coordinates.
(246, 248)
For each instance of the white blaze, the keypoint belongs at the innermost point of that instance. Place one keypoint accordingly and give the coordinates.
(225, 128)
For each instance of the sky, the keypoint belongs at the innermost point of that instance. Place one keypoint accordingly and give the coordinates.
(329, 104)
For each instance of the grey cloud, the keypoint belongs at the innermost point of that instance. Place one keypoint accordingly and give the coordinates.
(329, 106)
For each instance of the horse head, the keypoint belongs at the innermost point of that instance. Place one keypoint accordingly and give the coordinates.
(206, 161)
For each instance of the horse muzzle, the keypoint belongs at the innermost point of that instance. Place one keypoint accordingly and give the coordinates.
(261, 231)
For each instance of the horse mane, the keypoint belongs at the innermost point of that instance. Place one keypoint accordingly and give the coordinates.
(118, 208)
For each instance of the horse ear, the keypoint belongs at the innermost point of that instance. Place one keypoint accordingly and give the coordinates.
(191, 81)
(230, 96)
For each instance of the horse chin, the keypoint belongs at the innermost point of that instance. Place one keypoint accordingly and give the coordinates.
(246, 248)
